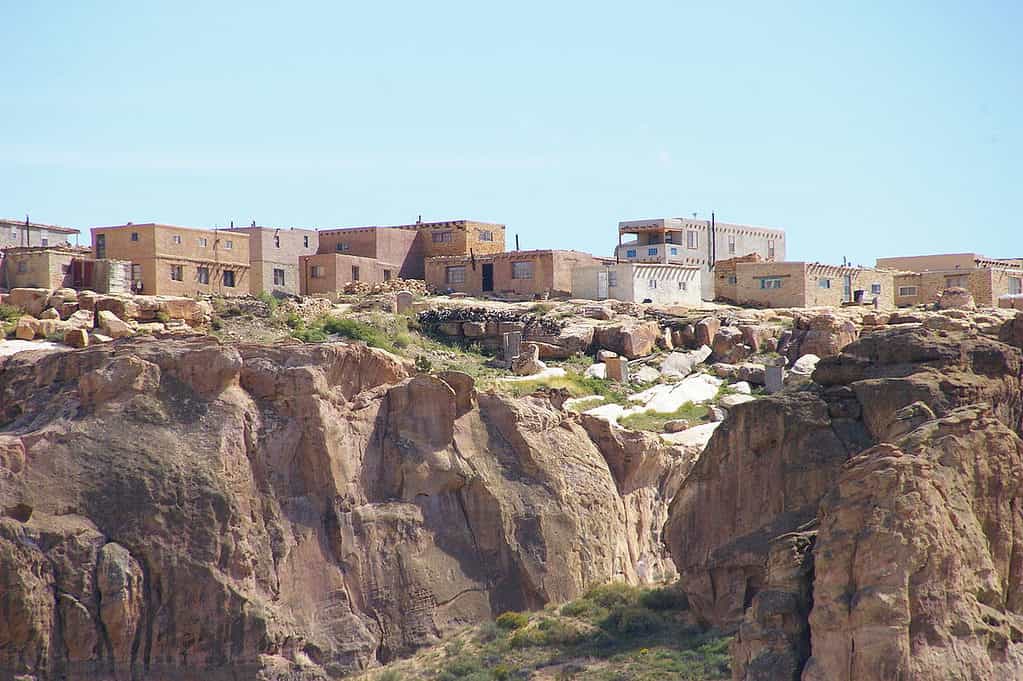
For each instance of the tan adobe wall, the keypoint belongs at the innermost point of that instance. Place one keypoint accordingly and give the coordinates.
(401, 246)
(335, 270)
(725, 279)
(793, 284)
(277, 249)
(985, 284)
(466, 235)
(1005, 282)
(37, 269)
(552, 271)
(156, 250)
(925, 263)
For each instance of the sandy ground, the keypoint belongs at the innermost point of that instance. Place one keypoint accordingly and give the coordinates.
(11, 347)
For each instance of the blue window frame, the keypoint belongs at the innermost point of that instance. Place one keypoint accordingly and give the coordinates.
(631, 253)
(651, 251)
(674, 251)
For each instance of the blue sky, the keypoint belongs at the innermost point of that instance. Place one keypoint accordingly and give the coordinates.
(865, 129)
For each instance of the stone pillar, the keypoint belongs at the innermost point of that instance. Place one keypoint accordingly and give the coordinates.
(617, 369)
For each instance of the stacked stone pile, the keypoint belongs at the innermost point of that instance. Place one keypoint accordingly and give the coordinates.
(414, 286)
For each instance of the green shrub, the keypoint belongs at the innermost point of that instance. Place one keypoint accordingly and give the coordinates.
(269, 300)
(216, 323)
(460, 668)
(9, 313)
(528, 638)
(293, 321)
(665, 598)
(356, 330)
(632, 621)
(423, 364)
(614, 595)
(512, 620)
(389, 675)
(162, 317)
(488, 632)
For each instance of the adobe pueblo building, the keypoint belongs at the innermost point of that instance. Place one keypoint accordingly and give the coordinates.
(689, 241)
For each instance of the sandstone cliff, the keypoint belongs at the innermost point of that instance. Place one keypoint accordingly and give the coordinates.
(873, 514)
(185, 509)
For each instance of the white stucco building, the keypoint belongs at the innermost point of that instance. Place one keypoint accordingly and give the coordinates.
(665, 284)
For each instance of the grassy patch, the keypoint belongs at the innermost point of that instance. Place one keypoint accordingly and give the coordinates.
(654, 421)
(576, 385)
(612, 633)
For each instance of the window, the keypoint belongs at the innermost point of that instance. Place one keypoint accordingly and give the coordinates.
(770, 250)
(305, 242)
(22, 267)
(683, 286)
(278, 277)
(612, 279)
(342, 246)
(905, 291)
(46, 242)
(732, 279)
(355, 273)
(317, 272)
(652, 283)
(64, 269)
(441, 237)
(631, 253)
(387, 275)
(14, 232)
(277, 242)
(486, 236)
(522, 270)
(177, 272)
(958, 280)
(176, 238)
(651, 251)
(228, 244)
(134, 236)
(202, 242)
(731, 245)
(101, 246)
(875, 289)
(824, 283)
(692, 239)
(770, 282)
(454, 275)
(229, 277)
(1015, 286)
(202, 274)
(674, 251)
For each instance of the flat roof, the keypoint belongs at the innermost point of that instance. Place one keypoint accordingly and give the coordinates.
(39, 225)
(210, 230)
(419, 225)
(677, 223)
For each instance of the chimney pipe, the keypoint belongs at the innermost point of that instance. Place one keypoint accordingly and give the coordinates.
(516, 242)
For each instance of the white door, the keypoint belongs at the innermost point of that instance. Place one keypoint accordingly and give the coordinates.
(602, 285)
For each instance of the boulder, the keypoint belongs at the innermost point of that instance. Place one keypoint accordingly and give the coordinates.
(727, 345)
(604, 355)
(646, 374)
(123, 307)
(675, 426)
(805, 365)
(732, 401)
(724, 370)
(87, 300)
(528, 361)
(741, 387)
(76, 338)
(705, 330)
(25, 328)
(574, 339)
(598, 370)
(752, 373)
(31, 301)
(631, 340)
(827, 335)
(80, 319)
(63, 296)
(601, 312)
(681, 364)
(113, 326)
(49, 313)
(96, 337)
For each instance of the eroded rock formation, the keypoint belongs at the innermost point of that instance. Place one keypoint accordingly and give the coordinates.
(185, 509)
(900, 465)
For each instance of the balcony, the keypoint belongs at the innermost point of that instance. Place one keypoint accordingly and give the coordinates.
(650, 253)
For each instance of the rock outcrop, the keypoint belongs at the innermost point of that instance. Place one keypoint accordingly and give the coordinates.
(901, 465)
(183, 509)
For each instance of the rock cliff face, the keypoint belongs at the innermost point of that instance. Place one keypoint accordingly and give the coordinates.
(184, 509)
(874, 514)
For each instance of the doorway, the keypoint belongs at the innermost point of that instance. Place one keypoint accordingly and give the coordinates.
(602, 285)
(488, 276)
